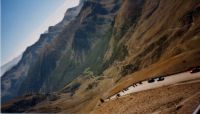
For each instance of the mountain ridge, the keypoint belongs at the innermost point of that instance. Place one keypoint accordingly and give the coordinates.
(9, 65)
(30, 52)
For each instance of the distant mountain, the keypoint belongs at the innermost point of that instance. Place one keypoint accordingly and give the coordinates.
(10, 64)
(14, 78)
(101, 42)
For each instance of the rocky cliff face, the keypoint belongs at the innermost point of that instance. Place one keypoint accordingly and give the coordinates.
(111, 38)
(13, 79)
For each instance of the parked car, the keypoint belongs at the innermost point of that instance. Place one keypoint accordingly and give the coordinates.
(195, 70)
(160, 79)
(140, 82)
(118, 95)
(151, 80)
(102, 101)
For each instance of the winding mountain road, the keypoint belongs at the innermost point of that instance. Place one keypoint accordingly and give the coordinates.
(168, 80)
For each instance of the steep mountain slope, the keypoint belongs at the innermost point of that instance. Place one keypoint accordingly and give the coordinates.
(152, 32)
(108, 46)
(12, 80)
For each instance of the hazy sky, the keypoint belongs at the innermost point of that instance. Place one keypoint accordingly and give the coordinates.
(22, 22)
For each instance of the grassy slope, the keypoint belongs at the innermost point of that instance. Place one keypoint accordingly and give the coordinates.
(172, 65)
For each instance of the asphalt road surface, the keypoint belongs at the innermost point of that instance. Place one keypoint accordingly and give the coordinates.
(168, 80)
